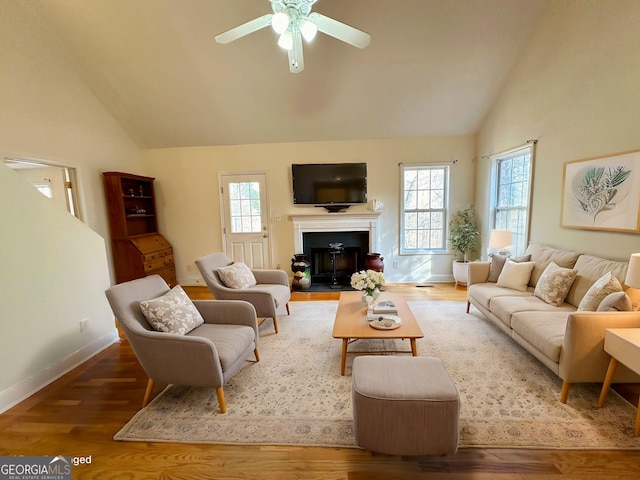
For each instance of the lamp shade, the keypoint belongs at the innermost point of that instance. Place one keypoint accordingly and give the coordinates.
(500, 238)
(633, 272)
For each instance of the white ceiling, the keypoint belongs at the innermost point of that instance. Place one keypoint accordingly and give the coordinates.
(433, 67)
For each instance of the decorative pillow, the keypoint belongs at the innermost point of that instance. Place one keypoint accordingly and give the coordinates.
(605, 285)
(515, 275)
(173, 312)
(619, 301)
(554, 284)
(497, 264)
(237, 275)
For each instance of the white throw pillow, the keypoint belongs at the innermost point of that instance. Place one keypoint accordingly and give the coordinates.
(554, 284)
(515, 275)
(174, 312)
(605, 285)
(237, 275)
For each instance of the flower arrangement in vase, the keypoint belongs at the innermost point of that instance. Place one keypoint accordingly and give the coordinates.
(370, 282)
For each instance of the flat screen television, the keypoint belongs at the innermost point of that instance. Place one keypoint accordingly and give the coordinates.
(334, 186)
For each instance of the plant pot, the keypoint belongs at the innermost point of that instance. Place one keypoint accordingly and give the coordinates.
(461, 272)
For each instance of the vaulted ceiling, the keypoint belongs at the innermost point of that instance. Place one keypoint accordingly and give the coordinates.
(433, 67)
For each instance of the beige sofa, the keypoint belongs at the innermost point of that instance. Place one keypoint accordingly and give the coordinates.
(568, 341)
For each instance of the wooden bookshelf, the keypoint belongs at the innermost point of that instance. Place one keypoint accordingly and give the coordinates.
(138, 248)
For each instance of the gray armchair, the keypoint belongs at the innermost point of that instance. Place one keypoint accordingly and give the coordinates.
(207, 356)
(270, 297)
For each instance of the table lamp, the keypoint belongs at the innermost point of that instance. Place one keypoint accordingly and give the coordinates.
(499, 240)
(632, 279)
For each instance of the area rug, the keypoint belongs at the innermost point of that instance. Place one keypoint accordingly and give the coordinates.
(296, 396)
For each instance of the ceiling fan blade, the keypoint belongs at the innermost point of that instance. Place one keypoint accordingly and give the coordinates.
(340, 30)
(244, 29)
(296, 60)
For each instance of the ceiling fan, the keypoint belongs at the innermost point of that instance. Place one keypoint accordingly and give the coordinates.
(293, 21)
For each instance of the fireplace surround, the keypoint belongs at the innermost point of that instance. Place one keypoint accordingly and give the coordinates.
(314, 234)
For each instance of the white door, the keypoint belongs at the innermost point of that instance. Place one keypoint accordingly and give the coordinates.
(245, 218)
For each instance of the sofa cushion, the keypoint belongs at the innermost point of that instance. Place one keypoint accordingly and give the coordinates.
(617, 301)
(230, 340)
(590, 269)
(482, 293)
(543, 255)
(554, 284)
(281, 294)
(505, 307)
(237, 275)
(515, 275)
(544, 332)
(173, 312)
(599, 290)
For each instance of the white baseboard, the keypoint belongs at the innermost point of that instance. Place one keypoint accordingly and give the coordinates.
(15, 394)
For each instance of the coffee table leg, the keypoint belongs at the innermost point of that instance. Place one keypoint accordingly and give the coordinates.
(613, 363)
(343, 360)
(414, 347)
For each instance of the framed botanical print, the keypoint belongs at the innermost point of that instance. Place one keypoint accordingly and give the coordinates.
(602, 193)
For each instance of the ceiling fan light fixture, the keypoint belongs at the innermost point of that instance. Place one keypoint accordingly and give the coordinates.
(286, 40)
(295, 23)
(280, 22)
(308, 29)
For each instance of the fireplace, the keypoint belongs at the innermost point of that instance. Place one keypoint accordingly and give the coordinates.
(314, 234)
(335, 265)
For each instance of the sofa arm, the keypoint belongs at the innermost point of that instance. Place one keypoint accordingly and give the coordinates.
(583, 358)
(230, 312)
(277, 277)
(478, 272)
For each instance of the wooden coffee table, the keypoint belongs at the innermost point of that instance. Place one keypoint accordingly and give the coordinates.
(351, 324)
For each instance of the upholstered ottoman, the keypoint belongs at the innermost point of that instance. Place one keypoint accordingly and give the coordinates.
(404, 406)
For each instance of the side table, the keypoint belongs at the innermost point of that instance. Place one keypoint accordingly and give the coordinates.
(623, 344)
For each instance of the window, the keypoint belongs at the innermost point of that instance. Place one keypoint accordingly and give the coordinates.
(244, 203)
(44, 188)
(424, 200)
(511, 197)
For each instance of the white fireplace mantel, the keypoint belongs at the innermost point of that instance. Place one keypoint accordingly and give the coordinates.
(336, 222)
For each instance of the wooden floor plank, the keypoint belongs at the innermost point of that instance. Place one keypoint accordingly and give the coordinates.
(79, 413)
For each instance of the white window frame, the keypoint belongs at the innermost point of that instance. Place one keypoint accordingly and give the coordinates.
(520, 226)
(444, 210)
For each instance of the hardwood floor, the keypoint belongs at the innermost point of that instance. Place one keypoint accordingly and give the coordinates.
(78, 415)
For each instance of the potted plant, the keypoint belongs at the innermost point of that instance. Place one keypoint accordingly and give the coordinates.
(464, 237)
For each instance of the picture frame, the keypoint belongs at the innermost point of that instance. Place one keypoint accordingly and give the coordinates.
(602, 193)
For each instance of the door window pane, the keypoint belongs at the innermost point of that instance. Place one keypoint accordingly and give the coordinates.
(244, 206)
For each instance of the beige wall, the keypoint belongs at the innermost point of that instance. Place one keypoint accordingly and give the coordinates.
(189, 206)
(54, 267)
(575, 89)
